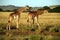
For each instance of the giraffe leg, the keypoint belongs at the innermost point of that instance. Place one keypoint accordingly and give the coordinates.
(17, 25)
(36, 19)
(39, 28)
(33, 20)
(17, 22)
(9, 23)
(8, 26)
(30, 22)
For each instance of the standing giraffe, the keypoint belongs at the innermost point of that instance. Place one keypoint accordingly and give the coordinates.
(16, 15)
(33, 16)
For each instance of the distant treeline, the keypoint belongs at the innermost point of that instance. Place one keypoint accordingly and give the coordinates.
(56, 9)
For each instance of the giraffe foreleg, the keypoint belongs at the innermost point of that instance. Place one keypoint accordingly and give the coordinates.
(37, 22)
(33, 20)
(17, 22)
(36, 19)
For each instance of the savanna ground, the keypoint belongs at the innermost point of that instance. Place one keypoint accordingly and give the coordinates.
(49, 23)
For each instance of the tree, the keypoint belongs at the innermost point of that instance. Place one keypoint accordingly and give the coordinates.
(1, 9)
(57, 9)
(46, 7)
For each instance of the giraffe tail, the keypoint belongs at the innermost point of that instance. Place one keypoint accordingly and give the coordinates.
(28, 20)
(8, 21)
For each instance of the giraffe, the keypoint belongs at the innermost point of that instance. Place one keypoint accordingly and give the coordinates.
(34, 16)
(16, 15)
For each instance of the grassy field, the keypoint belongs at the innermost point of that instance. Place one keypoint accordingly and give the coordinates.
(44, 18)
(50, 22)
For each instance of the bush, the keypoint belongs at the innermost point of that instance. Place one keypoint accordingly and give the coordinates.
(1, 9)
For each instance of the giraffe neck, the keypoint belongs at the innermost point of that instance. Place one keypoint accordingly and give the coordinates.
(18, 11)
(21, 9)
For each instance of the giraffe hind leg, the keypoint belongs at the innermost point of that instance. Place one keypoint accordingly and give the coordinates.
(9, 23)
(8, 26)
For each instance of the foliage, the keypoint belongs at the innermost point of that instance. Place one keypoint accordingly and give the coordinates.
(46, 7)
(1, 9)
(57, 9)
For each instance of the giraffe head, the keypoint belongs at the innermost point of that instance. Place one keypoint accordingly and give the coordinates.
(27, 7)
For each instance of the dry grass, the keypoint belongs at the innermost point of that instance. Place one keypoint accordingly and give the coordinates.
(45, 20)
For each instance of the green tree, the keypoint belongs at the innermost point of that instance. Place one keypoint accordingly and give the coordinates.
(1, 9)
(57, 9)
(46, 7)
